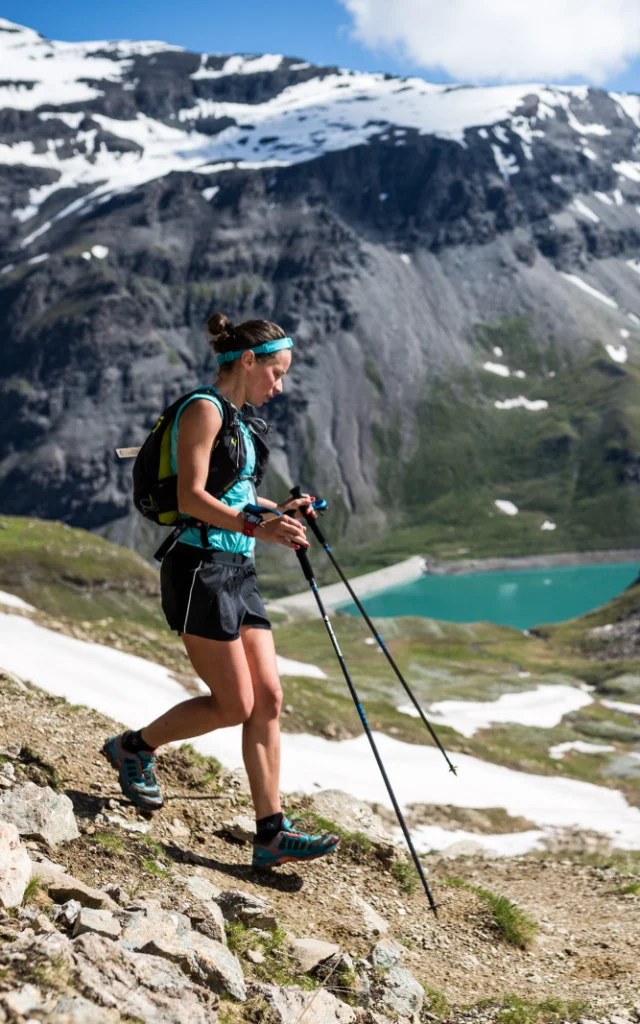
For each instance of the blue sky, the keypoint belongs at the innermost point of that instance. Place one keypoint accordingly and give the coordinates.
(316, 30)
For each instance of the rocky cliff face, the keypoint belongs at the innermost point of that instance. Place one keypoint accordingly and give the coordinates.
(459, 268)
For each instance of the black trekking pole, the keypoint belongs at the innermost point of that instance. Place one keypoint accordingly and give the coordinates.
(317, 532)
(307, 569)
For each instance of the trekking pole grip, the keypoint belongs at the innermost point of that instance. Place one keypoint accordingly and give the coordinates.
(312, 523)
(303, 558)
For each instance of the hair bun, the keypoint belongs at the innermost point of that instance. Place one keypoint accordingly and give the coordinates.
(221, 332)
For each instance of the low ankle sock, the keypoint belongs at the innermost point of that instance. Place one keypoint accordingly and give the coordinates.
(134, 743)
(268, 828)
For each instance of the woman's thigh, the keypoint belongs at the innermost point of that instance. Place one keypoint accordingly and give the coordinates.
(224, 667)
(260, 653)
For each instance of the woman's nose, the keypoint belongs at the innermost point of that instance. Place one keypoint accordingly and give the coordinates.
(278, 388)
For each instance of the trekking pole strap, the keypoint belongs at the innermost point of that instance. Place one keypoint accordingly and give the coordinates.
(312, 523)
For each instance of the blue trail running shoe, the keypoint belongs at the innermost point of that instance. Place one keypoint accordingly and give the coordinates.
(136, 773)
(291, 845)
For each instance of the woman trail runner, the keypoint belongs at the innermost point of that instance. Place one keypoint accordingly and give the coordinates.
(210, 595)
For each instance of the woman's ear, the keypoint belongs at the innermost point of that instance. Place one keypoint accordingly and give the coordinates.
(247, 359)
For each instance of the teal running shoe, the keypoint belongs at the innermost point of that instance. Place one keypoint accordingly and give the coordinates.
(136, 773)
(290, 845)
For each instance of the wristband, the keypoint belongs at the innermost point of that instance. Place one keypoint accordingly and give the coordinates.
(250, 525)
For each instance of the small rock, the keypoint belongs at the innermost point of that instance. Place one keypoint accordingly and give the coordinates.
(402, 994)
(102, 922)
(15, 866)
(202, 888)
(179, 830)
(241, 827)
(12, 750)
(386, 954)
(371, 918)
(39, 813)
(63, 887)
(78, 1010)
(250, 910)
(42, 925)
(617, 1019)
(23, 1001)
(464, 848)
(256, 956)
(8, 770)
(311, 952)
(206, 918)
(67, 914)
(117, 893)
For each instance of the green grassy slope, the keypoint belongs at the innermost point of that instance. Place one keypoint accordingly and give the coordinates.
(573, 463)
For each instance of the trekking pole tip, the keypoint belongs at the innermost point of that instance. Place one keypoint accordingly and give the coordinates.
(453, 769)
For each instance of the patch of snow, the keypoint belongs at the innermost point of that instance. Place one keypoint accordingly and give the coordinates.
(100, 251)
(519, 373)
(621, 705)
(523, 403)
(604, 198)
(556, 179)
(497, 351)
(240, 65)
(619, 198)
(579, 283)
(584, 210)
(507, 507)
(543, 707)
(405, 258)
(502, 371)
(618, 353)
(590, 155)
(630, 105)
(289, 667)
(209, 193)
(624, 333)
(38, 259)
(506, 164)
(6, 269)
(634, 319)
(635, 265)
(86, 255)
(548, 525)
(433, 838)
(558, 752)
(129, 689)
(628, 169)
(13, 601)
(383, 196)
(483, 133)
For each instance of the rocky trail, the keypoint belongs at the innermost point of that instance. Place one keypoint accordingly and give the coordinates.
(113, 915)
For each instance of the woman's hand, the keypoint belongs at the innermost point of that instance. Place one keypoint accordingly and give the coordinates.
(299, 506)
(284, 530)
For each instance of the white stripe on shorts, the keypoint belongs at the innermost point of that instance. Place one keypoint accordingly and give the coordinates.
(195, 573)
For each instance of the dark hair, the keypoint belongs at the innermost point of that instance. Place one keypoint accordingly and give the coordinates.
(224, 337)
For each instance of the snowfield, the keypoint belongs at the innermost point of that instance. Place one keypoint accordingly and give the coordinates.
(130, 690)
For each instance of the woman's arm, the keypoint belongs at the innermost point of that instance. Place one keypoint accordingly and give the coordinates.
(200, 424)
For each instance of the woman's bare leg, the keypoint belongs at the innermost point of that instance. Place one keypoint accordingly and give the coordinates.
(261, 731)
(223, 666)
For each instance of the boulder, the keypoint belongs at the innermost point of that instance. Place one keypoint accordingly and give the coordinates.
(140, 987)
(353, 815)
(62, 887)
(386, 953)
(286, 1005)
(311, 952)
(251, 910)
(464, 848)
(22, 1002)
(168, 935)
(401, 993)
(39, 813)
(15, 866)
(102, 922)
(373, 923)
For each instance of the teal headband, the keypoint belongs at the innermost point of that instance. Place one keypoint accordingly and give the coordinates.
(269, 346)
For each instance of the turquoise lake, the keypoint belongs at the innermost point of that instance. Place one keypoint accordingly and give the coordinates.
(521, 599)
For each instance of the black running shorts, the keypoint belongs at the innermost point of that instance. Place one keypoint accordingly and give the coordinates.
(210, 593)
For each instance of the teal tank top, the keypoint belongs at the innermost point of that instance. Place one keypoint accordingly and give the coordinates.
(242, 493)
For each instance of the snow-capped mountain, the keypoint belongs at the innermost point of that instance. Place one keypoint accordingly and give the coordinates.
(397, 227)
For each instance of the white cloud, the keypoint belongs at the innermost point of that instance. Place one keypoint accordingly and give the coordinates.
(510, 40)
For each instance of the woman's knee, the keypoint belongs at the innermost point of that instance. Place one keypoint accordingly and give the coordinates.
(267, 699)
(237, 709)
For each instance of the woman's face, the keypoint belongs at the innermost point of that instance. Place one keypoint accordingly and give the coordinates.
(264, 380)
